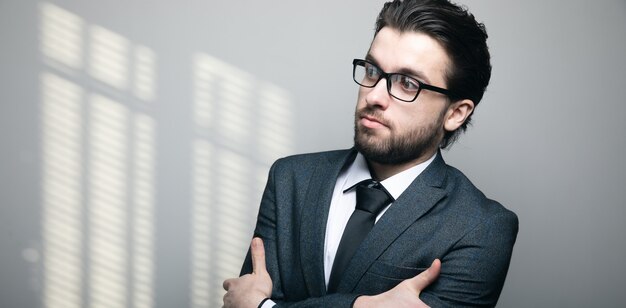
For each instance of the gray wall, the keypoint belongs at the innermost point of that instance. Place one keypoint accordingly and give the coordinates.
(136, 139)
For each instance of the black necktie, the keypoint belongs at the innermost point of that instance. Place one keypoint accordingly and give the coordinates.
(371, 198)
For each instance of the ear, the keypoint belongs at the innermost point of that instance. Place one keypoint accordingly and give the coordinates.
(457, 113)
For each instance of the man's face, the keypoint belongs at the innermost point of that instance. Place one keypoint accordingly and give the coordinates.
(389, 131)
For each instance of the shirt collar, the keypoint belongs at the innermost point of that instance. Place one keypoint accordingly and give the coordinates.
(395, 185)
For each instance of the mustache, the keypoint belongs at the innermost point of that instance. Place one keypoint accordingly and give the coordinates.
(374, 114)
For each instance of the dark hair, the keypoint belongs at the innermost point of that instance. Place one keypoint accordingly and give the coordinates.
(463, 38)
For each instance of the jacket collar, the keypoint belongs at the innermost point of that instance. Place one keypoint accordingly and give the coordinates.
(314, 216)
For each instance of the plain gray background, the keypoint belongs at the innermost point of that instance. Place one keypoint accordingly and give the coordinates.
(136, 138)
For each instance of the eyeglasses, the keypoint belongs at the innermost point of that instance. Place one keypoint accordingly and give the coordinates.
(400, 86)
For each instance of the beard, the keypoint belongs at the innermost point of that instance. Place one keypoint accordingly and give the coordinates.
(396, 148)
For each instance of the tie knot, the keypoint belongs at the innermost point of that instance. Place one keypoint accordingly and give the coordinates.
(372, 197)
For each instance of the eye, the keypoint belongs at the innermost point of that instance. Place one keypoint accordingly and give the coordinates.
(371, 71)
(407, 83)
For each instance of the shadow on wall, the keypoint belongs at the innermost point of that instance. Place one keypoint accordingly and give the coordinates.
(99, 165)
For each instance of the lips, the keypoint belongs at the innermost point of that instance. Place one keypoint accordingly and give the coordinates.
(371, 121)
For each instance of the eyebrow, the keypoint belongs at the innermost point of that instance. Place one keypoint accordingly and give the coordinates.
(405, 71)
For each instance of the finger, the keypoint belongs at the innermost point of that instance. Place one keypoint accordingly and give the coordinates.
(258, 256)
(425, 278)
(226, 284)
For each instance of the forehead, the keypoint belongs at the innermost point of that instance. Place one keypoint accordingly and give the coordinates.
(396, 51)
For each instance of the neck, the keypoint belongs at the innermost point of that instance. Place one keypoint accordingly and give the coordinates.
(381, 172)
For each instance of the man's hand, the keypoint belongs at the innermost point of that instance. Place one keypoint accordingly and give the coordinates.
(250, 289)
(405, 294)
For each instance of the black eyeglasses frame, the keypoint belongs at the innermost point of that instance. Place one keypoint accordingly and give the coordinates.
(383, 74)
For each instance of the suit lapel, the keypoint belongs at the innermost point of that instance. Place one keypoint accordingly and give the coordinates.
(415, 201)
(313, 219)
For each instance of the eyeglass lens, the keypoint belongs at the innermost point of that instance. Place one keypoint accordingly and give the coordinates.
(399, 86)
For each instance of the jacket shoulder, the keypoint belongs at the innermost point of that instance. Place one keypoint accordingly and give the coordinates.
(473, 200)
(310, 160)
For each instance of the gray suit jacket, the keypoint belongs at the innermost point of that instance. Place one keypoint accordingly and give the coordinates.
(440, 215)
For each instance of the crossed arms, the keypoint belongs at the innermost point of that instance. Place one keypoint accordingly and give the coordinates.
(471, 235)
(251, 289)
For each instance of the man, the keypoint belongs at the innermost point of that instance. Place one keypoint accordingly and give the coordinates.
(435, 239)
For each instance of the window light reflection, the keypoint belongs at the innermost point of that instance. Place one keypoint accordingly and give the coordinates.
(62, 183)
(242, 124)
(98, 159)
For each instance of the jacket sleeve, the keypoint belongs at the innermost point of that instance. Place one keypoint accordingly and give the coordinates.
(266, 228)
(474, 270)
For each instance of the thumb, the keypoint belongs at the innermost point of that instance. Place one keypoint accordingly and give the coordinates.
(258, 256)
(425, 278)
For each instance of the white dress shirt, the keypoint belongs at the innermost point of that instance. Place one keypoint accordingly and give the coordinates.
(343, 203)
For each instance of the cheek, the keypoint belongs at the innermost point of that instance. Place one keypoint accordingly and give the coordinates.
(360, 100)
(411, 118)
(406, 121)
(429, 111)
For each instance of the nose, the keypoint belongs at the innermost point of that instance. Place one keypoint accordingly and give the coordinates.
(378, 96)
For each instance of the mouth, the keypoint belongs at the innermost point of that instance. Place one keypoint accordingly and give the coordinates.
(370, 121)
